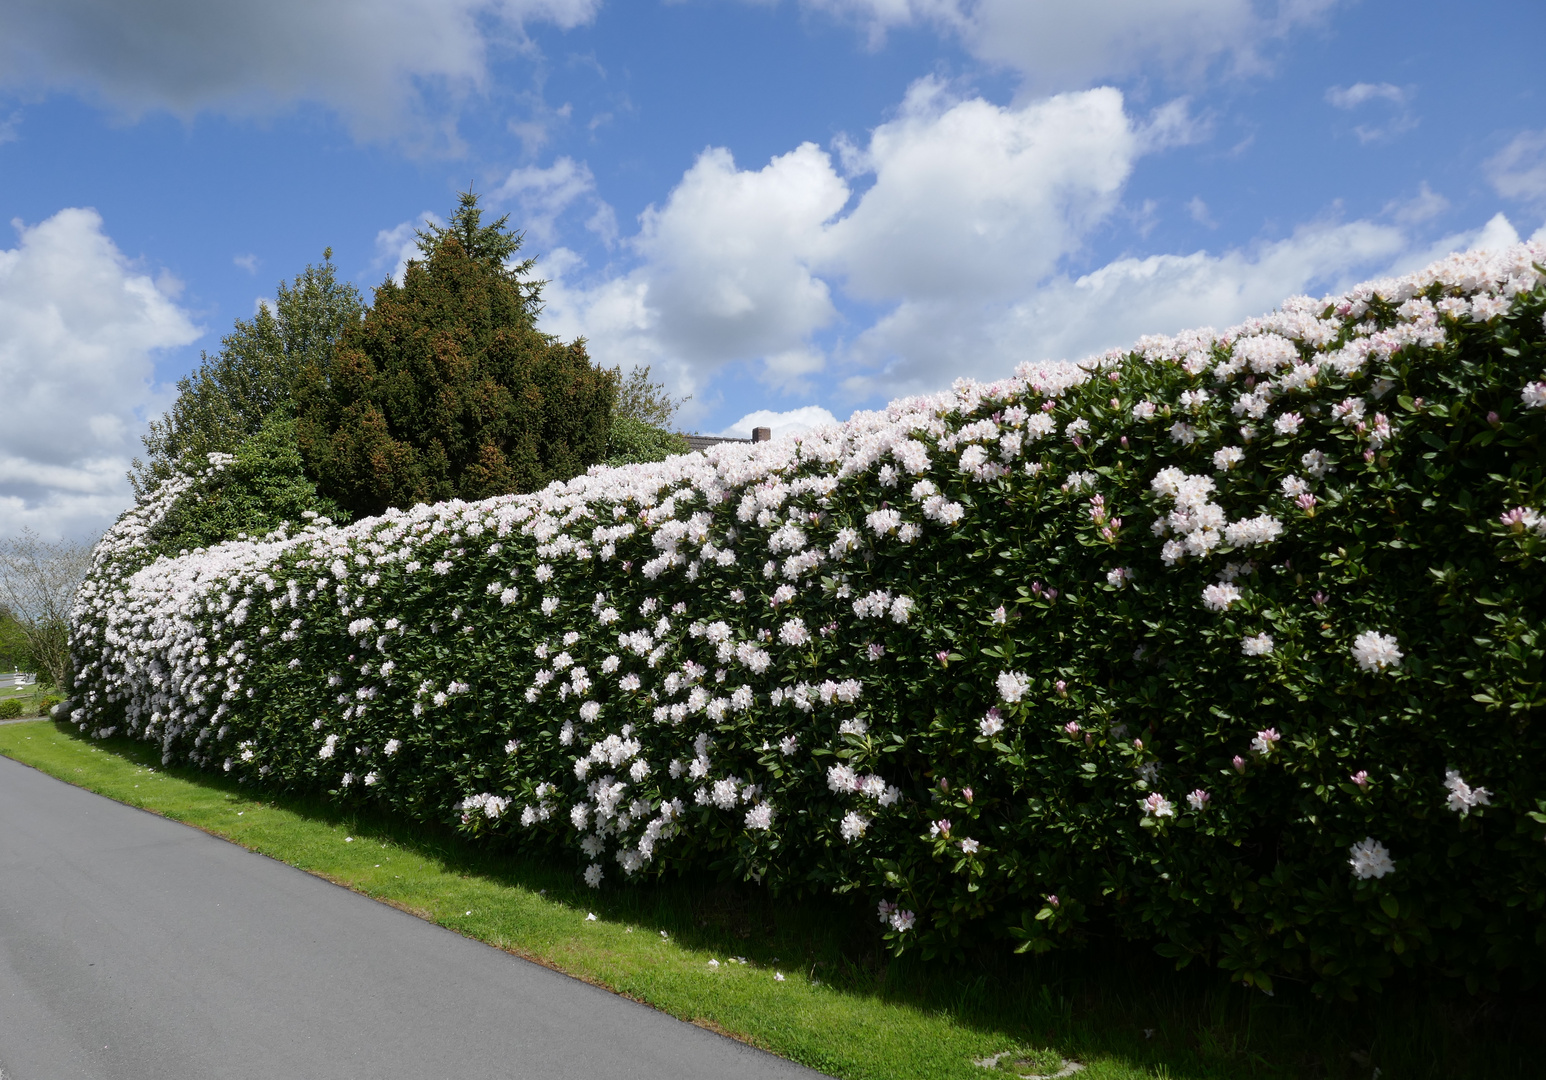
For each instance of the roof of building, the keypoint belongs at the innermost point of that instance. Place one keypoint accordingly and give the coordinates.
(703, 442)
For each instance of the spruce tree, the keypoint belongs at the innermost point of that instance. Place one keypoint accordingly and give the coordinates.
(447, 389)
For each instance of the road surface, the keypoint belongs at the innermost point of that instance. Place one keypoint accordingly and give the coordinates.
(135, 948)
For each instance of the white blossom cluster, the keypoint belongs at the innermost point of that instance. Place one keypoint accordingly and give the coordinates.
(638, 656)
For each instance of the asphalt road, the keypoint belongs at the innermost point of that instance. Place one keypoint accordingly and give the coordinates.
(133, 947)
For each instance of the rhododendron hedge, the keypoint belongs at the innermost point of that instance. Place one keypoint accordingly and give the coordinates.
(1230, 643)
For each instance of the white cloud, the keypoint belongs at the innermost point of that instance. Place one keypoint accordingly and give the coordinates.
(972, 199)
(79, 325)
(1518, 171)
(400, 243)
(969, 200)
(726, 273)
(248, 262)
(1360, 94)
(539, 196)
(918, 348)
(1058, 45)
(1423, 206)
(791, 422)
(1350, 97)
(373, 60)
(952, 259)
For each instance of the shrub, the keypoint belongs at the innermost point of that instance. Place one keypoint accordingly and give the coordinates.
(10, 708)
(1231, 644)
(633, 442)
(255, 490)
(46, 705)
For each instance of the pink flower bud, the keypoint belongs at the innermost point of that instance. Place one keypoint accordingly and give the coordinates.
(1239, 764)
(1052, 899)
(1061, 687)
(1361, 778)
(966, 793)
(1072, 727)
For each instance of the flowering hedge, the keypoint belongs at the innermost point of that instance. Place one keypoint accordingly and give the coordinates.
(1231, 643)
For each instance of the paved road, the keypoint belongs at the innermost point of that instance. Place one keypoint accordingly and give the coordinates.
(133, 947)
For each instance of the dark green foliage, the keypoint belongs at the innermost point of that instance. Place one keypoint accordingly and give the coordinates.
(266, 485)
(447, 389)
(634, 441)
(10, 708)
(253, 375)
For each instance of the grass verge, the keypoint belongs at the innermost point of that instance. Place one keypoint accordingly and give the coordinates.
(842, 1007)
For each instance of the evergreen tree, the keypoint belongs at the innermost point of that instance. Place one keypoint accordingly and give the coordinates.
(227, 399)
(447, 389)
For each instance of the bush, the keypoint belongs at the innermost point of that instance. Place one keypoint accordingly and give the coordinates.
(10, 708)
(261, 486)
(633, 442)
(46, 705)
(1232, 644)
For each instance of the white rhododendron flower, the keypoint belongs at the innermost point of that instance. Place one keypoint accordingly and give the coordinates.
(1375, 651)
(1012, 685)
(1220, 596)
(1463, 798)
(1370, 859)
(1257, 645)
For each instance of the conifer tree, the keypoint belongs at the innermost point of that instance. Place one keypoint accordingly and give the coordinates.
(447, 389)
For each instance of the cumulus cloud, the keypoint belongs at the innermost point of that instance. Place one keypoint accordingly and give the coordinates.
(975, 199)
(79, 327)
(726, 273)
(372, 60)
(790, 422)
(967, 200)
(1069, 318)
(1057, 45)
(938, 247)
(1519, 169)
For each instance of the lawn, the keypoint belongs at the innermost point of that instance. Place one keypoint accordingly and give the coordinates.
(713, 954)
(29, 696)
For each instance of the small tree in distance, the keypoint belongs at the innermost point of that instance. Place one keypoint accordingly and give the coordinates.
(38, 580)
(447, 389)
(640, 420)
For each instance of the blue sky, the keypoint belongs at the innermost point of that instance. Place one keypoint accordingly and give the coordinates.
(784, 207)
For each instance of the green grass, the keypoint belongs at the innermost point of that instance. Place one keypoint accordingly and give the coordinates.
(843, 1007)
